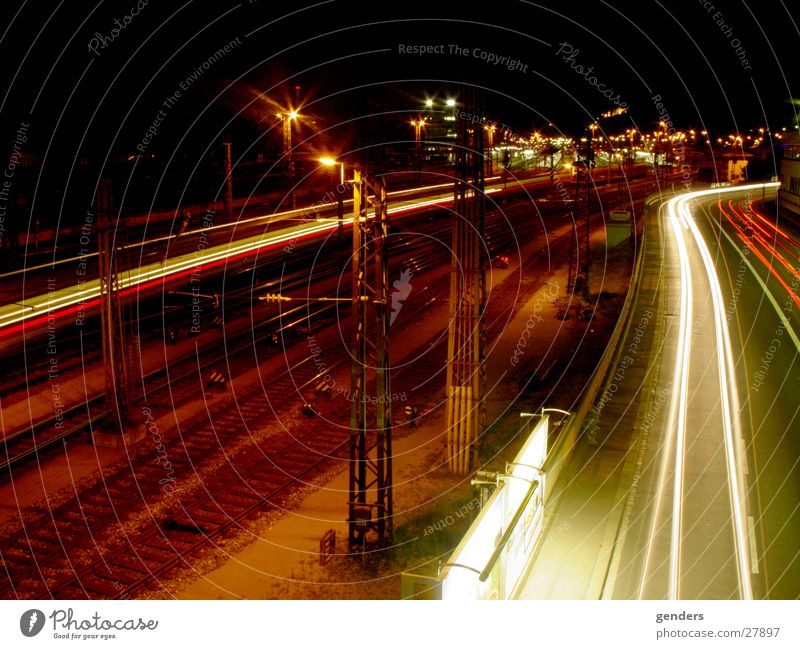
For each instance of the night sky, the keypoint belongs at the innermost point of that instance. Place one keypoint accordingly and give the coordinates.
(90, 82)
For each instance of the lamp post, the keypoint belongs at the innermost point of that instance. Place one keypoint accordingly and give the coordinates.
(490, 149)
(287, 119)
(418, 125)
(330, 162)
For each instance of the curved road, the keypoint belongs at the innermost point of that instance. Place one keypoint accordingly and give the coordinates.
(716, 514)
(686, 485)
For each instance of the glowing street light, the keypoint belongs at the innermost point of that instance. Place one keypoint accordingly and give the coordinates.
(287, 119)
(330, 162)
(490, 129)
(418, 125)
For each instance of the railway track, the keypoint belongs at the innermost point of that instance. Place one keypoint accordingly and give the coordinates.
(106, 544)
(77, 538)
(53, 550)
(176, 380)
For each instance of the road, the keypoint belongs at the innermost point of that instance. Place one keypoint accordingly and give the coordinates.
(686, 484)
(715, 515)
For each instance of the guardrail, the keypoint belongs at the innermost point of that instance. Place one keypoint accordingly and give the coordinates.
(469, 574)
(562, 447)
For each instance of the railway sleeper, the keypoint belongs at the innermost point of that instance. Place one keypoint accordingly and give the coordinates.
(106, 587)
(172, 541)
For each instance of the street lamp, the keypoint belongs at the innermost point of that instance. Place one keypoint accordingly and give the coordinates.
(330, 162)
(418, 125)
(287, 118)
(490, 129)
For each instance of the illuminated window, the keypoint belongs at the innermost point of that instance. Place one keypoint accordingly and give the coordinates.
(792, 152)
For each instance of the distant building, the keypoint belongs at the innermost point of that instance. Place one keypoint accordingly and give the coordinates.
(789, 192)
(734, 166)
(439, 134)
(728, 167)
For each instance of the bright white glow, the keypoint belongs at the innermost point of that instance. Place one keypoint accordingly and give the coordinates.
(729, 396)
(460, 581)
(681, 400)
(451, 102)
(676, 423)
(11, 314)
(681, 219)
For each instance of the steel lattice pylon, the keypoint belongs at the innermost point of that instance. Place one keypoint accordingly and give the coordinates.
(370, 488)
(466, 344)
(114, 332)
(579, 249)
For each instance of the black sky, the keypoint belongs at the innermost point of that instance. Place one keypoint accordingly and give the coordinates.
(345, 57)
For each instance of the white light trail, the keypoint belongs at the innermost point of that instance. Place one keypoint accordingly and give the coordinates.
(13, 314)
(676, 421)
(729, 396)
(680, 218)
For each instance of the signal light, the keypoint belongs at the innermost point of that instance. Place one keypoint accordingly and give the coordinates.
(274, 297)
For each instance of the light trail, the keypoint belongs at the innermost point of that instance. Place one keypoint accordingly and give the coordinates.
(772, 252)
(58, 303)
(681, 400)
(676, 422)
(680, 219)
(268, 219)
(729, 396)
